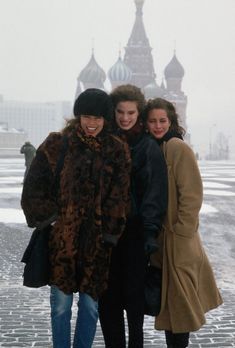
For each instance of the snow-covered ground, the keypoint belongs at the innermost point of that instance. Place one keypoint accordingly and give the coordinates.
(217, 213)
(218, 179)
(11, 178)
(217, 223)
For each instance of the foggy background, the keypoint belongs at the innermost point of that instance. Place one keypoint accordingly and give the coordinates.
(44, 44)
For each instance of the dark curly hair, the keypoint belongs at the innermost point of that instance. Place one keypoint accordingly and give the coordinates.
(159, 103)
(128, 93)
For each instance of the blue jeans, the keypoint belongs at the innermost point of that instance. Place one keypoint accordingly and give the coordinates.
(61, 313)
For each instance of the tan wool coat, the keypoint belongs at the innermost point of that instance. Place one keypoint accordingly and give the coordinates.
(188, 287)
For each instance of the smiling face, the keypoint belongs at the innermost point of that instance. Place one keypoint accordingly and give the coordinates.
(158, 122)
(126, 114)
(92, 125)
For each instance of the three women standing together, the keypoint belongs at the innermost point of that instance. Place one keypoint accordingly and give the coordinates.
(107, 226)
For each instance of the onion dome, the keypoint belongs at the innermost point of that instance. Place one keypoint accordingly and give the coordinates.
(152, 91)
(174, 69)
(120, 72)
(92, 73)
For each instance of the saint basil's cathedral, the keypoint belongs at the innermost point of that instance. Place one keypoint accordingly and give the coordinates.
(137, 68)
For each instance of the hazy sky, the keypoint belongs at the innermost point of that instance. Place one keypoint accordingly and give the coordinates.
(44, 44)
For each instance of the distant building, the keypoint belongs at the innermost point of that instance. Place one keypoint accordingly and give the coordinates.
(34, 119)
(11, 140)
(137, 68)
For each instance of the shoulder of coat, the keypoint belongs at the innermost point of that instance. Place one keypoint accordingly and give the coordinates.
(150, 142)
(176, 144)
(176, 147)
(52, 144)
(54, 137)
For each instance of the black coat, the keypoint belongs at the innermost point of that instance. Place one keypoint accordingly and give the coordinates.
(148, 184)
(148, 208)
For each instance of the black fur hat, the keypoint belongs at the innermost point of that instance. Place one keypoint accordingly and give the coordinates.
(95, 102)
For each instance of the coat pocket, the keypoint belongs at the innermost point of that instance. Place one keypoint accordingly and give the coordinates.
(187, 251)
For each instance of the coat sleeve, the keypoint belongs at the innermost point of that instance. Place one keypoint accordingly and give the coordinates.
(116, 204)
(189, 188)
(37, 200)
(154, 203)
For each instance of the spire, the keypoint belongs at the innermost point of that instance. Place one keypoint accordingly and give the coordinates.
(138, 34)
(138, 54)
(139, 5)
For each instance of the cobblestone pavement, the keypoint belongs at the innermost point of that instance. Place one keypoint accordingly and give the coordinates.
(25, 313)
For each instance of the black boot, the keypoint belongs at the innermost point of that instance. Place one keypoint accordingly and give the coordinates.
(177, 340)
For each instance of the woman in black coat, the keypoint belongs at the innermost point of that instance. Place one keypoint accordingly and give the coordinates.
(148, 206)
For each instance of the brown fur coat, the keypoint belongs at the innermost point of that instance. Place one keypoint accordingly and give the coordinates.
(91, 207)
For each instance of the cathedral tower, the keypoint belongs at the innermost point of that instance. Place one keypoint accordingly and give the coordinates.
(174, 73)
(137, 68)
(138, 56)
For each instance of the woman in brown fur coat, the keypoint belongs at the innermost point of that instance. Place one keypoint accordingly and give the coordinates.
(89, 212)
(188, 286)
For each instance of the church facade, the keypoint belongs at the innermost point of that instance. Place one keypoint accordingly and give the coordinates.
(137, 68)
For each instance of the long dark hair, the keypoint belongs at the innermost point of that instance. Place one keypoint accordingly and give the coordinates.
(128, 93)
(159, 103)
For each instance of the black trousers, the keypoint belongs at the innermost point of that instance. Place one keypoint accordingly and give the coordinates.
(177, 340)
(125, 291)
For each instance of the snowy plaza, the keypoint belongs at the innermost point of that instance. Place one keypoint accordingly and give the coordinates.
(25, 313)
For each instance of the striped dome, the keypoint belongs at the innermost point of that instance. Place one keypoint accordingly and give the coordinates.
(92, 73)
(119, 72)
(174, 69)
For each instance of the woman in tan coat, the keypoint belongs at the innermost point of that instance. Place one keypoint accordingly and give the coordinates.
(188, 285)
